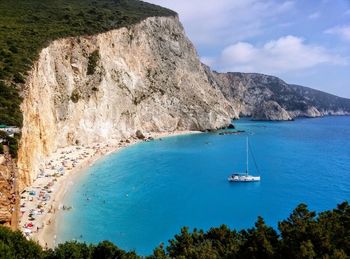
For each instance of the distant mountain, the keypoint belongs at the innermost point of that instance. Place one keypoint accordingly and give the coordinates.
(326, 101)
(267, 97)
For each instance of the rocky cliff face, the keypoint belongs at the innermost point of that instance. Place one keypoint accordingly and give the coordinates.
(270, 111)
(269, 98)
(90, 89)
(144, 78)
(7, 189)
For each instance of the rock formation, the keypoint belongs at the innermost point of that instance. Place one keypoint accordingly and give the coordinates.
(144, 78)
(271, 111)
(267, 97)
(147, 77)
(7, 189)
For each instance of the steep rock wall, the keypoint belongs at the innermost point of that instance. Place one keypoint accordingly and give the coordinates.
(147, 77)
(8, 186)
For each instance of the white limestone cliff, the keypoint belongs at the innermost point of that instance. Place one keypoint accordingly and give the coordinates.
(148, 77)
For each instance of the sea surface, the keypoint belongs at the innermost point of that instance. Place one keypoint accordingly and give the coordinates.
(142, 195)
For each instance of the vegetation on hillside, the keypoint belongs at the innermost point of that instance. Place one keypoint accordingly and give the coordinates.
(321, 99)
(27, 26)
(291, 97)
(301, 235)
(10, 142)
(10, 101)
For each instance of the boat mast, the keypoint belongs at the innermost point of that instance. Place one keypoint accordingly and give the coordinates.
(246, 172)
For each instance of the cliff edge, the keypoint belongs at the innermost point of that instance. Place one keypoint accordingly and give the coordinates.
(144, 76)
(105, 87)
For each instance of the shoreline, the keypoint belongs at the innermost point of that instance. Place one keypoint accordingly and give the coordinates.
(41, 202)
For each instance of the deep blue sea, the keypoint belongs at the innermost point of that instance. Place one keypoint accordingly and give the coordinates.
(142, 195)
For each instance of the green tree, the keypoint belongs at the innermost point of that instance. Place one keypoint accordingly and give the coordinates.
(73, 250)
(158, 253)
(334, 227)
(296, 230)
(259, 242)
(181, 244)
(14, 245)
(92, 62)
(303, 235)
(306, 250)
(225, 241)
(107, 250)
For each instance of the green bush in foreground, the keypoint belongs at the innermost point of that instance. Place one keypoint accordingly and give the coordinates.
(301, 235)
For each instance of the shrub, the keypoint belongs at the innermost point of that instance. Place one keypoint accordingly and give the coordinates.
(73, 250)
(13, 145)
(75, 96)
(18, 78)
(15, 245)
(92, 63)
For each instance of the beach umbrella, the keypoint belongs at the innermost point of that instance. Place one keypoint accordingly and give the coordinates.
(29, 225)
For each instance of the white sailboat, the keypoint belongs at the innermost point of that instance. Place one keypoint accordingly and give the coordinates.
(245, 177)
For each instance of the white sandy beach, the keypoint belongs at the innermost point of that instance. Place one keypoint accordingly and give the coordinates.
(41, 201)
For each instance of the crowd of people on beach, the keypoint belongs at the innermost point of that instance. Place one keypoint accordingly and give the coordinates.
(37, 201)
(40, 201)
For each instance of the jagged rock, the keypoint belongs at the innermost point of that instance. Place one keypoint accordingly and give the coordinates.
(311, 112)
(271, 111)
(7, 191)
(139, 134)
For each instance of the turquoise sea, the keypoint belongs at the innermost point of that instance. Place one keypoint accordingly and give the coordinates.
(143, 195)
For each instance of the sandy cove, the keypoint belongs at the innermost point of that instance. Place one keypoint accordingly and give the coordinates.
(41, 201)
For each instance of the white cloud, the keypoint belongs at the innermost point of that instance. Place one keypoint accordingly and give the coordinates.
(241, 52)
(341, 31)
(314, 16)
(209, 22)
(209, 61)
(285, 54)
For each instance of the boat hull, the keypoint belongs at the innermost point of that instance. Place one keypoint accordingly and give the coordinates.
(243, 178)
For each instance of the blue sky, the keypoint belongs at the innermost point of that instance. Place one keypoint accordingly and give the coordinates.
(304, 42)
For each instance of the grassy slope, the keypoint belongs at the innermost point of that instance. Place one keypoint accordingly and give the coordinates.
(26, 26)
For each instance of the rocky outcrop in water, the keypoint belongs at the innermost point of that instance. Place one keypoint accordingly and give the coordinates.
(271, 111)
